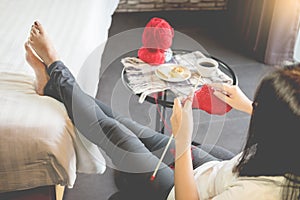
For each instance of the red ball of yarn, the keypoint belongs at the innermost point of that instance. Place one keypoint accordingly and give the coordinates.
(204, 99)
(158, 34)
(151, 56)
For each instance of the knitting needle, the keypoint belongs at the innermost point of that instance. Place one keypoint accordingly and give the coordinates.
(170, 139)
(197, 84)
(161, 158)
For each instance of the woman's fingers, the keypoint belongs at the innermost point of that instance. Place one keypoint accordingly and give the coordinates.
(233, 95)
(188, 102)
(176, 106)
(176, 113)
(222, 96)
(176, 116)
(222, 87)
(177, 102)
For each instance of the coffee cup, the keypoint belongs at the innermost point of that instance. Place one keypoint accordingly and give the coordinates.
(207, 66)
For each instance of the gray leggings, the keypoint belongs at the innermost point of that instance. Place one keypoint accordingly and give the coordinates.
(134, 149)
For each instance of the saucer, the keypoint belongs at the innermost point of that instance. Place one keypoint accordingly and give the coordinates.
(173, 73)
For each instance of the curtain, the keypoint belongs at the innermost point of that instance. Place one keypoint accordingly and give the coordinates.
(267, 28)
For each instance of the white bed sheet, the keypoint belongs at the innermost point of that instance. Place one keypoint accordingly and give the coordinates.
(77, 28)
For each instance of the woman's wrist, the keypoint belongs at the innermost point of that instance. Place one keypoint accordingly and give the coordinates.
(180, 140)
(248, 107)
(182, 145)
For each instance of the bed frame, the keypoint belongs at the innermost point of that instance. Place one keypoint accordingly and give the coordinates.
(40, 193)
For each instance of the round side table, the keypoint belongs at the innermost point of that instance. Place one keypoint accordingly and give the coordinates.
(165, 98)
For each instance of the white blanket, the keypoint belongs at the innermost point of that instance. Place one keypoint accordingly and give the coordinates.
(38, 142)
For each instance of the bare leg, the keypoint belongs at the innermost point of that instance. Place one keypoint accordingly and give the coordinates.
(39, 69)
(42, 45)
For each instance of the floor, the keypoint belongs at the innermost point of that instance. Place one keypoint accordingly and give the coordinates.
(207, 30)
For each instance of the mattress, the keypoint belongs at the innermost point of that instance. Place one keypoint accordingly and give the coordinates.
(38, 143)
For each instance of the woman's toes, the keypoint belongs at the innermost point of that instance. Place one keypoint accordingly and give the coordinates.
(28, 48)
(34, 31)
(41, 44)
(39, 26)
(29, 54)
(26, 45)
(30, 41)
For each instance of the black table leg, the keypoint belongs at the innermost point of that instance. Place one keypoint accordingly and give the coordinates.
(161, 113)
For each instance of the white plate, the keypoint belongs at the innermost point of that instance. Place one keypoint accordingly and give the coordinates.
(165, 73)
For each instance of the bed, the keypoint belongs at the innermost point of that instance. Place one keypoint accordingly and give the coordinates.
(38, 144)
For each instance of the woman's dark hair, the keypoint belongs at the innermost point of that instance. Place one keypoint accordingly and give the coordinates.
(273, 147)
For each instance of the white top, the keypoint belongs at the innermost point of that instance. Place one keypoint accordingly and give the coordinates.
(216, 181)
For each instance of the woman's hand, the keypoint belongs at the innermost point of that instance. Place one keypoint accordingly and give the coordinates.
(232, 95)
(182, 128)
(182, 121)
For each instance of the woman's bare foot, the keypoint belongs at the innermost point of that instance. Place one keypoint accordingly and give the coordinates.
(39, 68)
(41, 44)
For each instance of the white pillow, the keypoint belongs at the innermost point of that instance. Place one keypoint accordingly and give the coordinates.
(76, 28)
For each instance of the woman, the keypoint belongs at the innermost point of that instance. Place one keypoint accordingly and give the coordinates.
(267, 168)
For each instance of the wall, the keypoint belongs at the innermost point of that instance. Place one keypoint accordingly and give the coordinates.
(161, 5)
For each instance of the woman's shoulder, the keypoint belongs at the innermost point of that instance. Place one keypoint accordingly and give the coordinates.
(212, 177)
(262, 187)
(216, 179)
(218, 168)
(232, 161)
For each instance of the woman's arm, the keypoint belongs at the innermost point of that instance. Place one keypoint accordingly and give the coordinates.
(182, 127)
(233, 95)
(185, 185)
